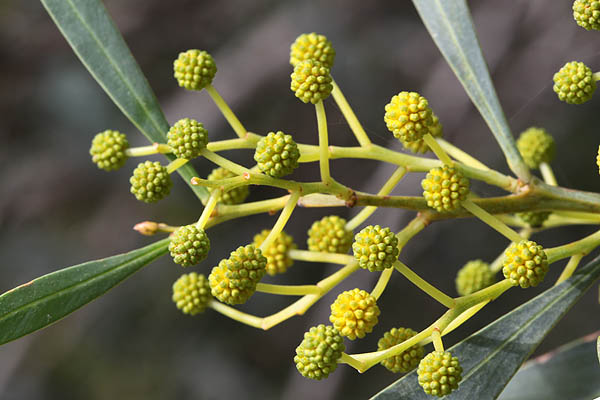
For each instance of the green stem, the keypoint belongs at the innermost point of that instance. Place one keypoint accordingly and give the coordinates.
(236, 315)
(437, 149)
(224, 163)
(300, 306)
(173, 165)
(208, 209)
(437, 340)
(148, 150)
(288, 290)
(226, 111)
(320, 257)
(461, 156)
(348, 113)
(582, 246)
(323, 142)
(425, 286)
(285, 215)
(382, 282)
(492, 221)
(384, 191)
(231, 144)
(569, 268)
(548, 174)
(415, 226)
(225, 212)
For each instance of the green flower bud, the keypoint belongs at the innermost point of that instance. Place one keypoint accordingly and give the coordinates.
(525, 263)
(108, 150)
(278, 259)
(234, 280)
(445, 188)
(375, 248)
(354, 313)
(187, 138)
(473, 276)
(574, 83)
(150, 182)
(191, 293)
(536, 146)
(409, 117)
(194, 69)
(439, 373)
(409, 358)
(277, 154)
(310, 46)
(319, 352)
(534, 219)
(189, 245)
(587, 14)
(329, 235)
(311, 81)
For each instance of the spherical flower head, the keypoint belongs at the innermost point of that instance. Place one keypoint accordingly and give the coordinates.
(445, 188)
(187, 138)
(536, 146)
(419, 146)
(473, 276)
(150, 182)
(233, 196)
(375, 248)
(311, 46)
(191, 293)
(598, 159)
(278, 259)
(234, 280)
(189, 245)
(409, 358)
(194, 69)
(329, 235)
(408, 116)
(574, 83)
(354, 313)
(319, 352)
(587, 14)
(108, 150)
(311, 81)
(525, 263)
(277, 154)
(534, 219)
(439, 373)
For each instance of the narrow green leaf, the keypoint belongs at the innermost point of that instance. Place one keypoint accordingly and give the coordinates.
(492, 356)
(100, 46)
(449, 24)
(570, 372)
(49, 298)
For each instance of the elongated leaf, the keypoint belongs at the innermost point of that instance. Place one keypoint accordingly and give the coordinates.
(491, 356)
(47, 299)
(571, 372)
(449, 24)
(100, 46)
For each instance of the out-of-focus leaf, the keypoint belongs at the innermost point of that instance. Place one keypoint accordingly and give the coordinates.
(449, 24)
(101, 48)
(570, 372)
(49, 298)
(491, 356)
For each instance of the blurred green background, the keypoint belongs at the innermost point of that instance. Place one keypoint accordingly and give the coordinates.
(58, 209)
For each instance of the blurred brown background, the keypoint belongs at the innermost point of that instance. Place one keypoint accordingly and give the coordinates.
(58, 209)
